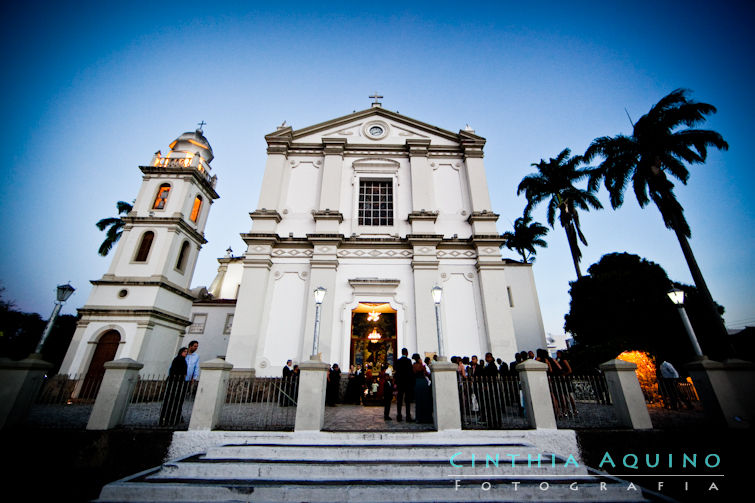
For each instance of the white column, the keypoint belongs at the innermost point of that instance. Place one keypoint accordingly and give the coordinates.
(425, 275)
(725, 390)
(626, 394)
(21, 381)
(478, 184)
(310, 404)
(423, 212)
(115, 391)
(211, 392)
(324, 267)
(250, 303)
(272, 181)
(329, 216)
(445, 396)
(538, 405)
(499, 323)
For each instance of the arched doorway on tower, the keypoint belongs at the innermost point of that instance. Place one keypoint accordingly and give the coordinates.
(104, 352)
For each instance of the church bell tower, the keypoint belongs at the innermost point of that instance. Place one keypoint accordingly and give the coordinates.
(143, 302)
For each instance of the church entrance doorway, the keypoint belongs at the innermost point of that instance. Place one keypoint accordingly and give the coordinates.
(104, 352)
(374, 348)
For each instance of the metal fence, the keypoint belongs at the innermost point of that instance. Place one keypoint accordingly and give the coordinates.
(673, 394)
(491, 403)
(160, 402)
(65, 401)
(582, 401)
(260, 403)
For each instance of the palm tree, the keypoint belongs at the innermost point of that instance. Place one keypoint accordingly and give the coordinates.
(526, 237)
(660, 145)
(555, 181)
(114, 227)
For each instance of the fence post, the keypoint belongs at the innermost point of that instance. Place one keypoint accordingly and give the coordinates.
(211, 392)
(115, 392)
(626, 394)
(310, 406)
(538, 404)
(725, 390)
(445, 386)
(21, 381)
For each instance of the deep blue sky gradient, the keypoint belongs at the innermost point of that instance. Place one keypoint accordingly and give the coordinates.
(90, 91)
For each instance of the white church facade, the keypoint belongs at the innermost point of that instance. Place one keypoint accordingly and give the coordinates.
(374, 207)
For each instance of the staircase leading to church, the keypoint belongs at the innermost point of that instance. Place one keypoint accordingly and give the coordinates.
(372, 467)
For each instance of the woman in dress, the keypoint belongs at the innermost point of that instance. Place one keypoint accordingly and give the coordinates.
(175, 390)
(422, 398)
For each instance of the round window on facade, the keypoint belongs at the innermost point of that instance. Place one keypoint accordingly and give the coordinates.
(122, 293)
(375, 130)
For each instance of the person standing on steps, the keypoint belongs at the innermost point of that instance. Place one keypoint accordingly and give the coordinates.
(192, 362)
(405, 385)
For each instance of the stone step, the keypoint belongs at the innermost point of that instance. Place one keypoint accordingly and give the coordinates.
(339, 470)
(499, 491)
(356, 452)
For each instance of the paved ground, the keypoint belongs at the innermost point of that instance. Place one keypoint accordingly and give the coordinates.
(344, 417)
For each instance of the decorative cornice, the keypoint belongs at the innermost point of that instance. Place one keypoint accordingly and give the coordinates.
(205, 181)
(362, 282)
(115, 281)
(333, 146)
(265, 214)
(178, 221)
(133, 313)
(327, 215)
(417, 147)
(483, 216)
(423, 215)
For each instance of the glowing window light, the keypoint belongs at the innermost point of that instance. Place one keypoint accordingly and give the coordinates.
(373, 316)
(195, 208)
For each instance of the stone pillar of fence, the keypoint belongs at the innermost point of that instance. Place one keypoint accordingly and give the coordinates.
(310, 406)
(626, 394)
(21, 381)
(445, 387)
(725, 390)
(538, 404)
(211, 392)
(115, 391)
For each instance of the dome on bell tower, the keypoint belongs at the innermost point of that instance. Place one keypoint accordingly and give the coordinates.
(194, 143)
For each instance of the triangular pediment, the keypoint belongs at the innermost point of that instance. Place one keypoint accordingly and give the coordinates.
(374, 126)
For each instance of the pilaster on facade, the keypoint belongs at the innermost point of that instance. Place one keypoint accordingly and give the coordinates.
(483, 222)
(325, 250)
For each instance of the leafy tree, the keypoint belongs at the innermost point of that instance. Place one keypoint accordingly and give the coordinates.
(114, 226)
(554, 181)
(526, 236)
(20, 333)
(622, 305)
(662, 141)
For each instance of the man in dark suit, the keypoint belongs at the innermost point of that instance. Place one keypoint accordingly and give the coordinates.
(287, 388)
(404, 376)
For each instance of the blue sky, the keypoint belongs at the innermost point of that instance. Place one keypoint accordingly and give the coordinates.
(90, 91)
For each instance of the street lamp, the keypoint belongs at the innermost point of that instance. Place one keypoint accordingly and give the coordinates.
(677, 297)
(319, 294)
(437, 295)
(63, 293)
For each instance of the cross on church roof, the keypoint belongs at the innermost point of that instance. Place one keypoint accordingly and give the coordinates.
(376, 96)
(201, 125)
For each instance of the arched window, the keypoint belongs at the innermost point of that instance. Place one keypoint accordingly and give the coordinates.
(195, 208)
(144, 246)
(183, 257)
(162, 197)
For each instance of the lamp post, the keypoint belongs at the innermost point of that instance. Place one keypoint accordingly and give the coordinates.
(437, 294)
(319, 294)
(677, 297)
(63, 293)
